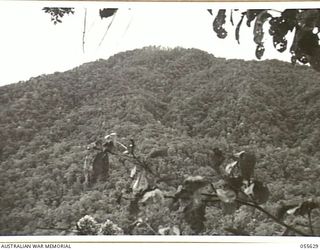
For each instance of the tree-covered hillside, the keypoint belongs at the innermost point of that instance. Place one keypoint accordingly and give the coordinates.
(182, 100)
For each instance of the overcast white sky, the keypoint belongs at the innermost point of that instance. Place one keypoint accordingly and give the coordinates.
(31, 45)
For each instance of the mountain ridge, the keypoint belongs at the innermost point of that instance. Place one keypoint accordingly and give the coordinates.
(184, 99)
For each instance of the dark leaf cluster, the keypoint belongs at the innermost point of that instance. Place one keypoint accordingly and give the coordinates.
(304, 23)
(58, 13)
(107, 12)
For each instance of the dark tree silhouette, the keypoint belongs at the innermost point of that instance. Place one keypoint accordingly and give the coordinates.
(58, 13)
(304, 23)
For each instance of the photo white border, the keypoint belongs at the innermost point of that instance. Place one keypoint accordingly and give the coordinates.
(168, 242)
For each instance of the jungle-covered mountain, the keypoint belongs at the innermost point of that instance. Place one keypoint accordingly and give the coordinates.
(183, 99)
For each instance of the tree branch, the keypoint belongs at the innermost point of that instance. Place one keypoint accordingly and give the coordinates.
(84, 29)
(272, 217)
(104, 35)
(256, 206)
(310, 222)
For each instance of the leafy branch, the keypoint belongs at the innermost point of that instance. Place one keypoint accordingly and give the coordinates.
(236, 187)
(58, 13)
(303, 23)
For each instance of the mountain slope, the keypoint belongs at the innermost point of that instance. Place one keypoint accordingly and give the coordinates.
(186, 100)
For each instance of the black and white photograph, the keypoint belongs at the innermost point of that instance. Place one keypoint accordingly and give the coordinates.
(160, 119)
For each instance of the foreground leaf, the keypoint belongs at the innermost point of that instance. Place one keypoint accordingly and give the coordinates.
(258, 32)
(252, 14)
(227, 196)
(303, 208)
(154, 196)
(194, 215)
(247, 162)
(219, 22)
(140, 184)
(259, 192)
(237, 32)
(230, 167)
(107, 12)
(258, 26)
(193, 183)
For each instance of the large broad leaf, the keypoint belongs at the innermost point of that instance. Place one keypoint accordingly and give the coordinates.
(191, 202)
(249, 190)
(97, 145)
(252, 14)
(301, 38)
(194, 215)
(176, 230)
(258, 191)
(190, 187)
(133, 207)
(259, 51)
(280, 26)
(308, 18)
(304, 208)
(237, 155)
(258, 32)
(193, 183)
(307, 42)
(219, 22)
(297, 208)
(133, 172)
(237, 32)
(306, 49)
(295, 50)
(230, 167)
(282, 210)
(107, 12)
(247, 162)
(235, 183)
(314, 59)
(164, 230)
(153, 196)
(217, 158)
(231, 17)
(140, 184)
(258, 26)
(294, 210)
(226, 195)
